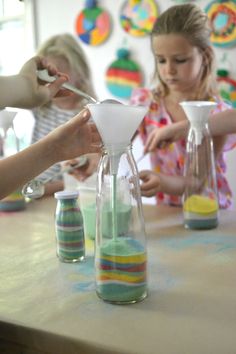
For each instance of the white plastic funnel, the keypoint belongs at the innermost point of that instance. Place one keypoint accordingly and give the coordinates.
(116, 123)
(6, 120)
(197, 113)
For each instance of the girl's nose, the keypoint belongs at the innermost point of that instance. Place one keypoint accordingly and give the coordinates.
(170, 68)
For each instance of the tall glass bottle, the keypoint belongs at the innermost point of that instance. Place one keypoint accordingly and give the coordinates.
(120, 252)
(200, 199)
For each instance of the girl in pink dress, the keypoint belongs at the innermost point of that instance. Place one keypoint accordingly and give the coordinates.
(184, 62)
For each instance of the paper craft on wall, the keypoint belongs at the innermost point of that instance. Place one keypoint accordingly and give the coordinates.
(93, 24)
(138, 16)
(123, 75)
(183, 1)
(226, 84)
(222, 15)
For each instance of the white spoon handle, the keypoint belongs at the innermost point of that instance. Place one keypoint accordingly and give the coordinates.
(81, 162)
(44, 76)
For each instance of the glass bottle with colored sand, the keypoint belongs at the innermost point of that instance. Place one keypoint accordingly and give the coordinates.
(200, 200)
(120, 252)
(69, 227)
(120, 248)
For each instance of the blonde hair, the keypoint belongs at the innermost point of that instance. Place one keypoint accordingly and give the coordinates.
(191, 22)
(67, 47)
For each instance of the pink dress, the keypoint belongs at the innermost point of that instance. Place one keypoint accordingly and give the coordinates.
(170, 161)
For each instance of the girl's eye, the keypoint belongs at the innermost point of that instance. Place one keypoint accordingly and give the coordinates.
(160, 61)
(179, 61)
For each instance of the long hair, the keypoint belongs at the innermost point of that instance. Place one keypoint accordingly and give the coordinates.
(191, 22)
(67, 47)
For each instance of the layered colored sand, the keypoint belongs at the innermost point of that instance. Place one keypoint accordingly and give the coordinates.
(200, 212)
(121, 271)
(13, 202)
(70, 233)
(89, 216)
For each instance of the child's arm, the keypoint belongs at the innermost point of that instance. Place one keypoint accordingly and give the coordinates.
(68, 141)
(220, 124)
(24, 90)
(223, 123)
(161, 137)
(152, 183)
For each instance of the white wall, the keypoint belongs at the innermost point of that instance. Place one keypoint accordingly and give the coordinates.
(58, 16)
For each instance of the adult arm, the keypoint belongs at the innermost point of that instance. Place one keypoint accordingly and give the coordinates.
(68, 141)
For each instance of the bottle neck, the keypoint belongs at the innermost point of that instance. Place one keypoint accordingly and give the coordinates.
(116, 149)
(114, 152)
(68, 201)
(199, 128)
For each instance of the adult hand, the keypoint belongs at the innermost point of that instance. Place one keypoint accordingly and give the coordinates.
(75, 138)
(35, 92)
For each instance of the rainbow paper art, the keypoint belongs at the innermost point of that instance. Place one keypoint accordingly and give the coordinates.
(222, 15)
(93, 24)
(123, 75)
(138, 16)
(183, 1)
(226, 86)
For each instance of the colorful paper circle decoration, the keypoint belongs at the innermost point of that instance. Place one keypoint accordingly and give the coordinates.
(183, 1)
(138, 16)
(222, 15)
(226, 86)
(123, 75)
(93, 24)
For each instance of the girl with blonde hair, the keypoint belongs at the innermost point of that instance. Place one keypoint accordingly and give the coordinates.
(184, 61)
(64, 52)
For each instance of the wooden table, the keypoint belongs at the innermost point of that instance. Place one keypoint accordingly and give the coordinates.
(51, 307)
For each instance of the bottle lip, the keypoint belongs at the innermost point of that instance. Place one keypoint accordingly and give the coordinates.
(117, 148)
(66, 194)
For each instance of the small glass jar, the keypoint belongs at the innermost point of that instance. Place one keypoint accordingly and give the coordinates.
(69, 227)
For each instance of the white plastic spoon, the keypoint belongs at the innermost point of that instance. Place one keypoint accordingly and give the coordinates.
(35, 188)
(44, 76)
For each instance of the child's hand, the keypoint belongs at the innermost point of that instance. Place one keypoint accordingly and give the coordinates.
(161, 137)
(85, 171)
(151, 183)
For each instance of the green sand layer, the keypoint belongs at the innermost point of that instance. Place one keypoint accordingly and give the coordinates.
(70, 245)
(89, 216)
(198, 224)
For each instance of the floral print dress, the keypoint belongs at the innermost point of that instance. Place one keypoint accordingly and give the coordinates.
(170, 161)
